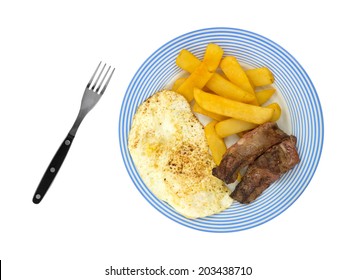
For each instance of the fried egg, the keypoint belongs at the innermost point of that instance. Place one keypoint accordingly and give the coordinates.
(168, 146)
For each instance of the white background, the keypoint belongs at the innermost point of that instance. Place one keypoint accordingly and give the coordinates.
(93, 216)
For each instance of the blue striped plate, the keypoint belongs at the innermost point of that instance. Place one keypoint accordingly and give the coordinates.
(302, 118)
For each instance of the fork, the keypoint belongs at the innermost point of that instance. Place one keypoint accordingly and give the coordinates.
(91, 96)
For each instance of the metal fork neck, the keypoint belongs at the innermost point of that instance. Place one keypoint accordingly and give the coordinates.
(88, 102)
(77, 123)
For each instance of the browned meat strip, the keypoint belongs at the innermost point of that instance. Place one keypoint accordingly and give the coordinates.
(247, 149)
(266, 169)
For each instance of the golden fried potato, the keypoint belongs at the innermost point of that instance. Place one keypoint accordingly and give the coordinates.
(277, 111)
(225, 88)
(260, 76)
(264, 95)
(230, 108)
(235, 73)
(232, 126)
(187, 61)
(203, 72)
(216, 144)
(200, 110)
(197, 79)
(177, 83)
(212, 57)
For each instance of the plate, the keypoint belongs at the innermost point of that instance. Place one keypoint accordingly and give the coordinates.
(302, 117)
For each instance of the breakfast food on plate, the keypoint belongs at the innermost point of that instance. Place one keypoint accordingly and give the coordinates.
(170, 151)
(235, 73)
(253, 144)
(197, 109)
(203, 72)
(231, 91)
(264, 95)
(215, 142)
(266, 169)
(277, 111)
(225, 88)
(260, 76)
(238, 101)
(188, 165)
(230, 108)
(231, 126)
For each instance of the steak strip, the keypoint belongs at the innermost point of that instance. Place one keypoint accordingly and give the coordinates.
(266, 169)
(253, 144)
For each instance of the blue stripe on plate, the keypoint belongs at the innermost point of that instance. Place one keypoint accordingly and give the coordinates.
(294, 86)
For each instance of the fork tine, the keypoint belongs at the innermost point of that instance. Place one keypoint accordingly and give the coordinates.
(93, 75)
(107, 82)
(102, 80)
(97, 79)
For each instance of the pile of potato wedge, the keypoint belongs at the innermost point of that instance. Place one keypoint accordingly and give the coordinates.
(231, 96)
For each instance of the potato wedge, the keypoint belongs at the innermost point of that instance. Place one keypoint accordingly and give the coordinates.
(264, 95)
(260, 76)
(177, 83)
(277, 111)
(212, 57)
(230, 108)
(200, 110)
(225, 88)
(235, 73)
(218, 84)
(197, 79)
(232, 126)
(187, 61)
(216, 144)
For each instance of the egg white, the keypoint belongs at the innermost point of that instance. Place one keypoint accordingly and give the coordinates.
(170, 151)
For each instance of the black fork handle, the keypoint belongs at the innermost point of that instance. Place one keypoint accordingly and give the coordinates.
(53, 169)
